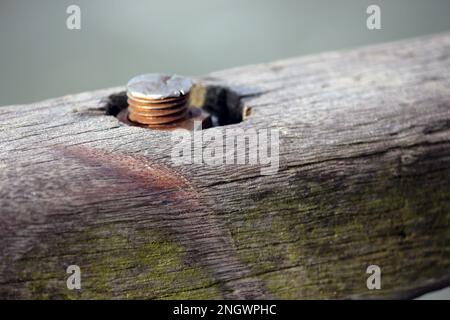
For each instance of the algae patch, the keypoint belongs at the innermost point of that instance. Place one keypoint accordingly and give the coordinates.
(136, 264)
(303, 244)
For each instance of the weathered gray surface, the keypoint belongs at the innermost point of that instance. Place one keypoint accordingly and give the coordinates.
(364, 179)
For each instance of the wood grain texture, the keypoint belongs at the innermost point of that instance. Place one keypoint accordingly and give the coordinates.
(364, 179)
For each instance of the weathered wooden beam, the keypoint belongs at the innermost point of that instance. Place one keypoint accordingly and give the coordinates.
(364, 179)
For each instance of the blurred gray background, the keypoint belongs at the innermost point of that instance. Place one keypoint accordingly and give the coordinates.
(40, 58)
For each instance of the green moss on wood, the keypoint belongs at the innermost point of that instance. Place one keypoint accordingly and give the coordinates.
(133, 265)
(307, 246)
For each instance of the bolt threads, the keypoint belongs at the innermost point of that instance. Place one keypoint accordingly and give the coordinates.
(161, 101)
(157, 111)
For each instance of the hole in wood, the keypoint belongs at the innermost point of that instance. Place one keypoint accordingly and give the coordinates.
(223, 104)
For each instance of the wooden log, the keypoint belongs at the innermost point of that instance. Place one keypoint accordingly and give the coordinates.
(363, 179)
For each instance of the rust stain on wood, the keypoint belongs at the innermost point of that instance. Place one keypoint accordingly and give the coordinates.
(191, 220)
(140, 170)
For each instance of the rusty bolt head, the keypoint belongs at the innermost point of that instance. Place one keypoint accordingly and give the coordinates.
(160, 101)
